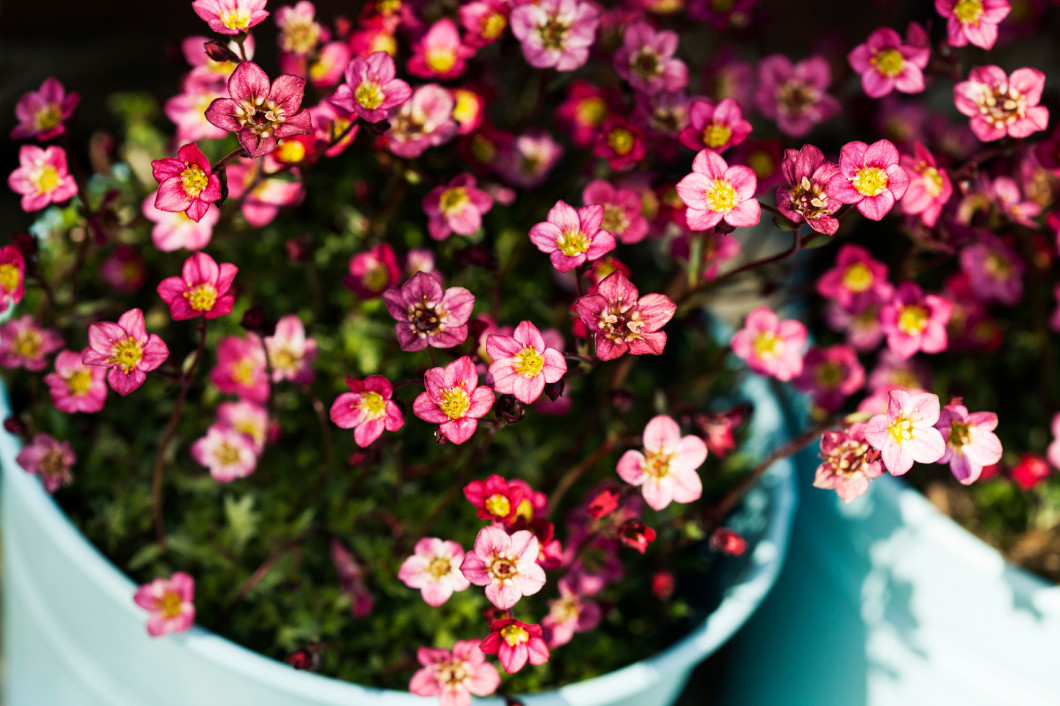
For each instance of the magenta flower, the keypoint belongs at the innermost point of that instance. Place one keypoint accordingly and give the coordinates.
(1053, 452)
(715, 192)
(227, 452)
(368, 408)
(971, 442)
(570, 613)
(770, 346)
(201, 290)
(995, 269)
(74, 386)
(794, 94)
(869, 176)
(455, 675)
(24, 344)
(483, 21)
(1000, 105)
(456, 207)
(126, 349)
(621, 321)
(186, 183)
(41, 114)
(806, 198)
(241, 368)
(169, 601)
(373, 271)
(856, 279)
(570, 238)
(556, 33)
(620, 142)
(434, 568)
(915, 322)
(291, 352)
(906, 431)
(929, 187)
(972, 21)
(427, 315)
(505, 564)
(230, 16)
(831, 374)
(848, 463)
(440, 53)
(1030, 471)
(260, 112)
(666, 470)
(646, 59)
(515, 643)
(715, 127)
(173, 231)
(453, 400)
(49, 459)
(623, 217)
(371, 88)
(12, 277)
(522, 363)
(248, 418)
(42, 177)
(497, 500)
(886, 64)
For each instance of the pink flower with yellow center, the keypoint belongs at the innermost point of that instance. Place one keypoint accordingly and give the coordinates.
(12, 277)
(483, 21)
(869, 176)
(906, 431)
(848, 462)
(126, 349)
(174, 230)
(247, 418)
(831, 374)
(371, 88)
(971, 442)
(453, 400)
(291, 352)
(715, 192)
(666, 469)
(457, 207)
(186, 183)
(995, 268)
(505, 564)
(915, 322)
(770, 346)
(515, 643)
(522, 363)
(929, 186)
(454, 675)
(230, 16)
(714, 127)
(241, 368)
(187, 110)
(434, 568)
(427, 315)
(972, 21)
(49, 459)
(570, 613)
(621, 321)
(228, 453)
(646, 59)
(886, 64)
(373, 272)
(24, 344)
(299, 31)
(570, 237)
(368, 408)
(74, 386)
(440, 53)
(201, 290)
(620, 142)
(622, 210)
(1000, 104)
(169, 602)
(497, 500)
(583, 112)
(42, 177)
(41, 114)
(856, 279)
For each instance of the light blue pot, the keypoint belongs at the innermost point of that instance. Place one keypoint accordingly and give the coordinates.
(73, 637)
(887, 602)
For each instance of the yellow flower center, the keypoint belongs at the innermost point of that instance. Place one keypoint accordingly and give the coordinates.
(960, 435)
(453, 199)
(716, 134)
(656, 464)
(169, 605)
(828, 375)
(901, 429)
(968, 11)
(236, 19)
(932, 180)
(592, 111)
(201, 297)
(27, 343)
(79, 383)
(300, 36)
(10, 277)
(369, 95)
(514, 634)
(440, 567)
(498, 505)
(870, 181)
(502, 569)
(455, 402)
(721, 196)
(243, 372)
(913, 319)
(466, 106)
(528, 362)
(441, 59)
(766, 344)
(48, 117)
(227, 454)
(565, 609)
(47, 179)
(858, 277)
(888, 62)
(291, 151)
(373, 404)
(620, 140)
(194, 180)
(126, 354)
(492, 25)
(615, 220)
(572, 243)
(997, 267)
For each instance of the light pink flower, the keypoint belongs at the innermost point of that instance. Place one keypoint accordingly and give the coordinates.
(915, 322)
(12, 277)
(373, 271)
(929, 187)
(529, 158)
(186, 183)
(556, 33)
(262, 195)
(24, 344)
(187, 109)
(425, 120)
(248, 418)
(646, 59)
(1000, 105)
(299, 31)
(856, 279)
(42, 177)
(906, 431)
(570, 613)
(74, 386)
(453, 400)
(126, 349)
(770, 346)
(886, 64)
(1012, 204)
(456, 207)
(227, 452)
(505, 564)
(169, 601)
(368, 408)
(434, 568)
(291, 353)
(570, 238)
(522, 363)
(715, 127)
(972, 21)
(715, 192)
(806, 198)
(666, 470)
(623, 217)
(42, 114)
(515, 643)
(371, 88)
(440, 53)
(49, 459)
(848, 463)
(830, 375)
(995, 269)
(621, 321)
(454, 675)
(971, 442)
(201, 290)
(794, 94)
(173, 231)
(240, 368)
(427, 315)
(869, 176)
(230, 16)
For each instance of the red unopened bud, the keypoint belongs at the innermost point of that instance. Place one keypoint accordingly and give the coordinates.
(307, 658)
(554, 390)
(726, 541)
(1031, 470)
(662, 585)
(603, 504)
(636, 534)
(219, 51)
(14, 425)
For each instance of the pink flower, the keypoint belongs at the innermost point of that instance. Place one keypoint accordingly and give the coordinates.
(869, 176)
(41, 114)
(371, 88)
(831, 374)
(929, 187)
(1000, 105)
(497, 500)
(453, 400)
(995, 269)
(583, 112)
(425, 120)
(74, 386)
(49, 459)
(886, 64)
(505, 564)
(247, 418)
(570, 613)
(806, 198)
(623, 216)
(530, 158)
(42, 177)
(440, 54)
(202, 290)
(620, 142)
(230, 16)
(971, 442)
(454, 675)
(260, 112)
(556, 33)
(483, 21)
(188, 110)
(372, 272)
(351, 580)
(456, 208)
(794, 94)
(848, 463)
(1013, 205)
(915, 322)
(299, 31)
(428, 316)
(770, 346)
(12, 277)
(570, 238)
(906, 431)
(291, 353)
(972, 21)
(24, 344)
(515, 642)
(715, 192)
(368, 408)
(621, 321)
(666, 470)
(168, 600)
(522, 363)
(240, 368)
(434, 568)
(646, 59)
(857, 278)
(1030, 471)
(1053, 452)
(716, 127)
(126, 349)
(173, 231)
(227, 452)
(186, 183)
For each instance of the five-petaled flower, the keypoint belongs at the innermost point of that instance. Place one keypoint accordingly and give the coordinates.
(230, 16)
(914, 321)
(454, 674)
(505, 564)
(806, 198)
(1000, 105)
(515, 643)
(170, 602)
(570, 237)
(666, 469)
(646, 59)
(886, 64)
(770, 346)
(74, 386)
(869, 176)
(41, 114)
(126, 349)
(848, 462)
(906, 431)
(715, 192)
(201, 290)
(42, 177)
(291, 352)
(228, 453)
(368, 408)
(371, 88)
(186, 183)
(714, 127)
(522, 363)
(556, 33)
(24, 344)
(49, 459)
(428, 316)
(453, 400)
(456, 207)
(434, 568)
(971, 442)
(621, 321)
(972, 21)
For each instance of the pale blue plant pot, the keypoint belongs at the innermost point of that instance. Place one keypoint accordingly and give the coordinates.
(887, 602)
(73, 637)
